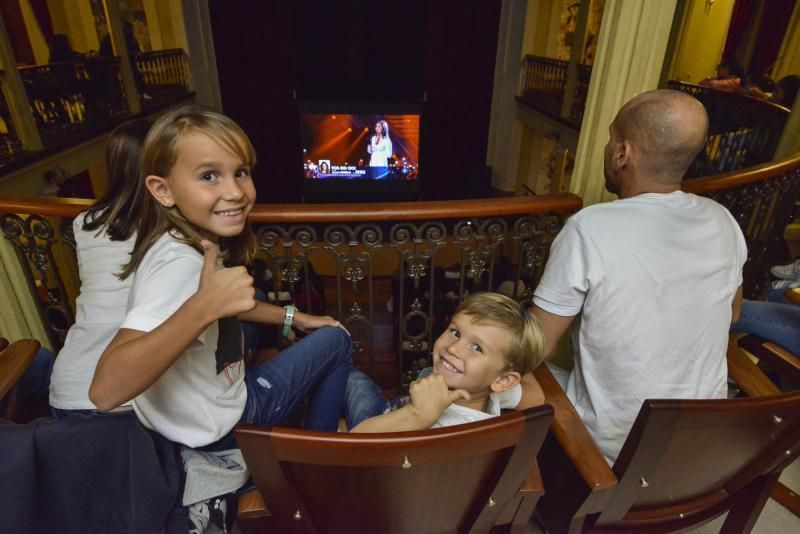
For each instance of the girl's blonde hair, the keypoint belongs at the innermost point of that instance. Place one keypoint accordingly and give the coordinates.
(159, 155)
(525, 338)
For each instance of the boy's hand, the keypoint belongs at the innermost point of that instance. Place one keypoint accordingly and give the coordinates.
(430, 397)
(225, 292)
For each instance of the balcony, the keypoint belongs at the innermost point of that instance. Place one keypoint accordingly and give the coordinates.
(72, 102)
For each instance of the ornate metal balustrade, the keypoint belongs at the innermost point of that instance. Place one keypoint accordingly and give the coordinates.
(10, 145)
(743, 132)
(337, 259)
(543, 80)
(161, 76)
(74, 98)
(762, 200)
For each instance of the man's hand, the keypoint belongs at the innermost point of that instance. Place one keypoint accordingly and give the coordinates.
(430, 397)
(225, 292)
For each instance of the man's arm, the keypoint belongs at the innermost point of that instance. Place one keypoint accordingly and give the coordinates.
(532, 393)
(736, 305)
(553, 327)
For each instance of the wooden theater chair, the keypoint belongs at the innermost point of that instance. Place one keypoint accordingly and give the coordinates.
(453, 479)
(774, 359)
(14, 359)
(684, 462)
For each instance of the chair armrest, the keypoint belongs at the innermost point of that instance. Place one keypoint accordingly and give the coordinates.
(793, 295)
(13, 362)
(573, 436)
(750, 379)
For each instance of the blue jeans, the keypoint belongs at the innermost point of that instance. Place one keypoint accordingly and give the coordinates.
(364, 399)
(36, 378)
(779, 323)
(316, 366)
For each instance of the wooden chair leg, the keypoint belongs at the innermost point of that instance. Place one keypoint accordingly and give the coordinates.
(744, 514)
(786, 497)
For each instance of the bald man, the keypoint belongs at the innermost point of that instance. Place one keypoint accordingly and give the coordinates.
(653, 279)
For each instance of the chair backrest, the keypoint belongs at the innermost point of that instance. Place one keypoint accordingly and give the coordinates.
(684, 458)
(453, 479)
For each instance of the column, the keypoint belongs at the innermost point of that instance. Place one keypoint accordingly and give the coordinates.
(121, 49)
(574, 57)
(202, 58)
(630, 53)
(790, 139)
(16, 96)
(505, 131)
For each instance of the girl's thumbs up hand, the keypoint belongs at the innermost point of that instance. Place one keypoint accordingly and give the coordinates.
(225, 291)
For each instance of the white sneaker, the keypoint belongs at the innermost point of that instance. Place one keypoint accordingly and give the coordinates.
(786, 272)
(785, 284)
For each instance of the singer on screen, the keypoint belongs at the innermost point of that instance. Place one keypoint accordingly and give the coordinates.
(380, 146)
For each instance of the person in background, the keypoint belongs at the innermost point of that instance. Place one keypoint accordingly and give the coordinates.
(729, 76)
(380, 145)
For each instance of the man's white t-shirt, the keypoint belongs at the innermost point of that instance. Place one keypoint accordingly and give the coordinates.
(100, 309)
(190, 403)
(653, 278)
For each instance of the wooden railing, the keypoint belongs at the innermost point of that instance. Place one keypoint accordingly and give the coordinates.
(10, 145)
(761, 199)
(74, 97)
(339, 259)
(161, 76)
(743, 132)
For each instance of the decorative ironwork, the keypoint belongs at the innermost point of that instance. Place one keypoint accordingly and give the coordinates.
(543, 81)
(10, 145)
(161, 76)
(74, 97)
(742, 131)
(762, 209)
(33, 239)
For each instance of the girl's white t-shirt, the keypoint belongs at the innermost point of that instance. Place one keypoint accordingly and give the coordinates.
(100, 309)
(190, 403)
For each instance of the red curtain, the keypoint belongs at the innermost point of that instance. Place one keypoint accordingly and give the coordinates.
(770, 35)
(742, 11)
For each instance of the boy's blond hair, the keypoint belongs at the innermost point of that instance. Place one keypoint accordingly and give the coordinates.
(525, 339)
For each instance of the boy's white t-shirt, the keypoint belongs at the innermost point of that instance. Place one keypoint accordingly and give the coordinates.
(190, 403)
(456, 414)
(100, 308)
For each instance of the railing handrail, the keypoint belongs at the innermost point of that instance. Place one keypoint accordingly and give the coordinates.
(352, 213)
(741, 177)
(731, 94)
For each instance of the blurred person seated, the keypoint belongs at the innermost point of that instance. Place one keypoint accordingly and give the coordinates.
(729, 76)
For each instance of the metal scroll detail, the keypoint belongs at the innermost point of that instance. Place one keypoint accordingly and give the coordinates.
(33, 239)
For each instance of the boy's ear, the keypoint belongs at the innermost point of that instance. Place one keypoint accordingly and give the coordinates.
(506, 381)
(160, 189)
